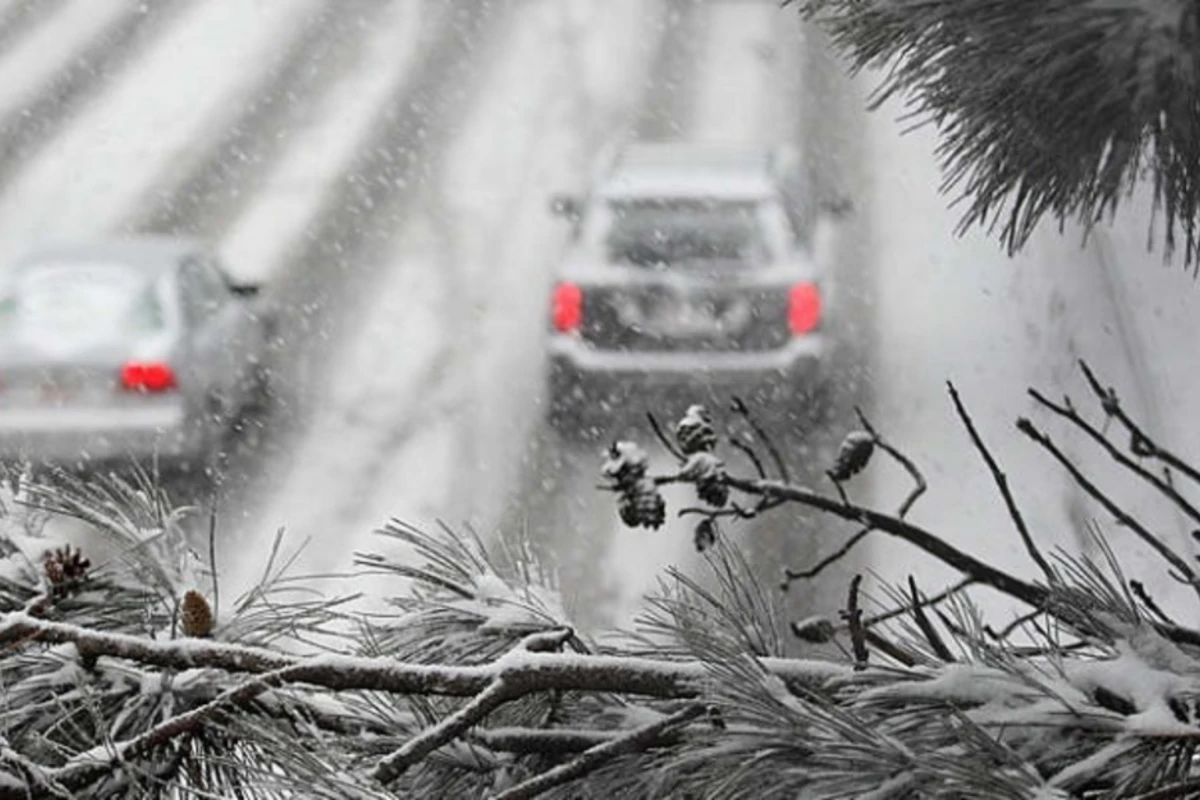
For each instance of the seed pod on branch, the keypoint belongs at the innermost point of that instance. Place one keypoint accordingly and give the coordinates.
(853, 454)
(65, 569)
(196, 616)
(694, 432)
(642, 505)
(705, 534)
(639, 502)
(707, 472)
(814, 630)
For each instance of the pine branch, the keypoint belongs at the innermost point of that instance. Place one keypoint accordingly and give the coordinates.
(1044, 108)
(392, 766)
(917, 536)
(597, 756)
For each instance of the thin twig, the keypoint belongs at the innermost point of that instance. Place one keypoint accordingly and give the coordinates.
(853, 616)
(212, 558)
(750, 454)
(87, 767)
(1001, 481)
(945, 552)
(925, 603)
(1162, 486)
(1139, 589)
(541, 741)
(791, 575)
(919, 488)
(393, 765)
(888, 649)
(595, 757)
(741, 408)
(1008, 629)
(919, 484)
(1112, 407)
(1175, 791)
(662, 437)
(1118, 513)
(931, 635)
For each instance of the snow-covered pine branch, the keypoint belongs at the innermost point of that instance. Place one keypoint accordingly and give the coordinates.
(1044, 106)
(477, 685)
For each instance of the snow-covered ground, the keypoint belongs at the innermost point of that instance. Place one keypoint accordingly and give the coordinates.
(37, 57)
(438, 385)
(318, 153)
(89, 179)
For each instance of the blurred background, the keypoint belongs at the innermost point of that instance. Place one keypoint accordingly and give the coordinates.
(381, 170)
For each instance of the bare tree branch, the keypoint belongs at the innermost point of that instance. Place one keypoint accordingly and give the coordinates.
(1167, 490)
(1001, 481)
(1118, 513)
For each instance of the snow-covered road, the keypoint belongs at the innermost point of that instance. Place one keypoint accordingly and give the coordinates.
(385, 166)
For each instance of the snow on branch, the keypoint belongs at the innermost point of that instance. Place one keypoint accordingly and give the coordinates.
(1043, 107)
(476, 684)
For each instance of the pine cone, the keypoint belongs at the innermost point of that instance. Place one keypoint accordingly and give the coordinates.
(814, 630)
(65, 569)
(707, 472)
(196, 616)
(626, 464)
(694, 432)
(853, 454)
(705, 535)
(642, 505)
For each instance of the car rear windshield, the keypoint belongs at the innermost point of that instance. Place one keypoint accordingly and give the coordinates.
(655, 232)
(80, 301)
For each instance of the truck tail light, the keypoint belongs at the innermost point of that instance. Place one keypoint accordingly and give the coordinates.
(804, 308)
(147, 376)
(566, 308)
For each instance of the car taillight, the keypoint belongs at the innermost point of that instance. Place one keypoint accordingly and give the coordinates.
(567, 307)
(147, 376)
(804, 308)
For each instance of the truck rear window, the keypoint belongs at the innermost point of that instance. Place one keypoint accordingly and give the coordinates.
(660, 232)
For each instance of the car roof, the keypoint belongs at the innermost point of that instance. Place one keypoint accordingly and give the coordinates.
(678, 169)
(148, 253)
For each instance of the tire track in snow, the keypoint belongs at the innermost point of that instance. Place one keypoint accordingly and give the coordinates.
(553, 500)
(667, 106)
(209, 194)
(32, 118)
(390, 443)
(18, 16)
(87, 180)
(326, 272)
(340, 254)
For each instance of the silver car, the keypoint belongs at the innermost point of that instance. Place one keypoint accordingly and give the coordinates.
(689, 266)
(126, 351)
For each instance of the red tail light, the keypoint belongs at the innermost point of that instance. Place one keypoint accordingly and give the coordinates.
(804, 308)
(567, 307)
(147, 376)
